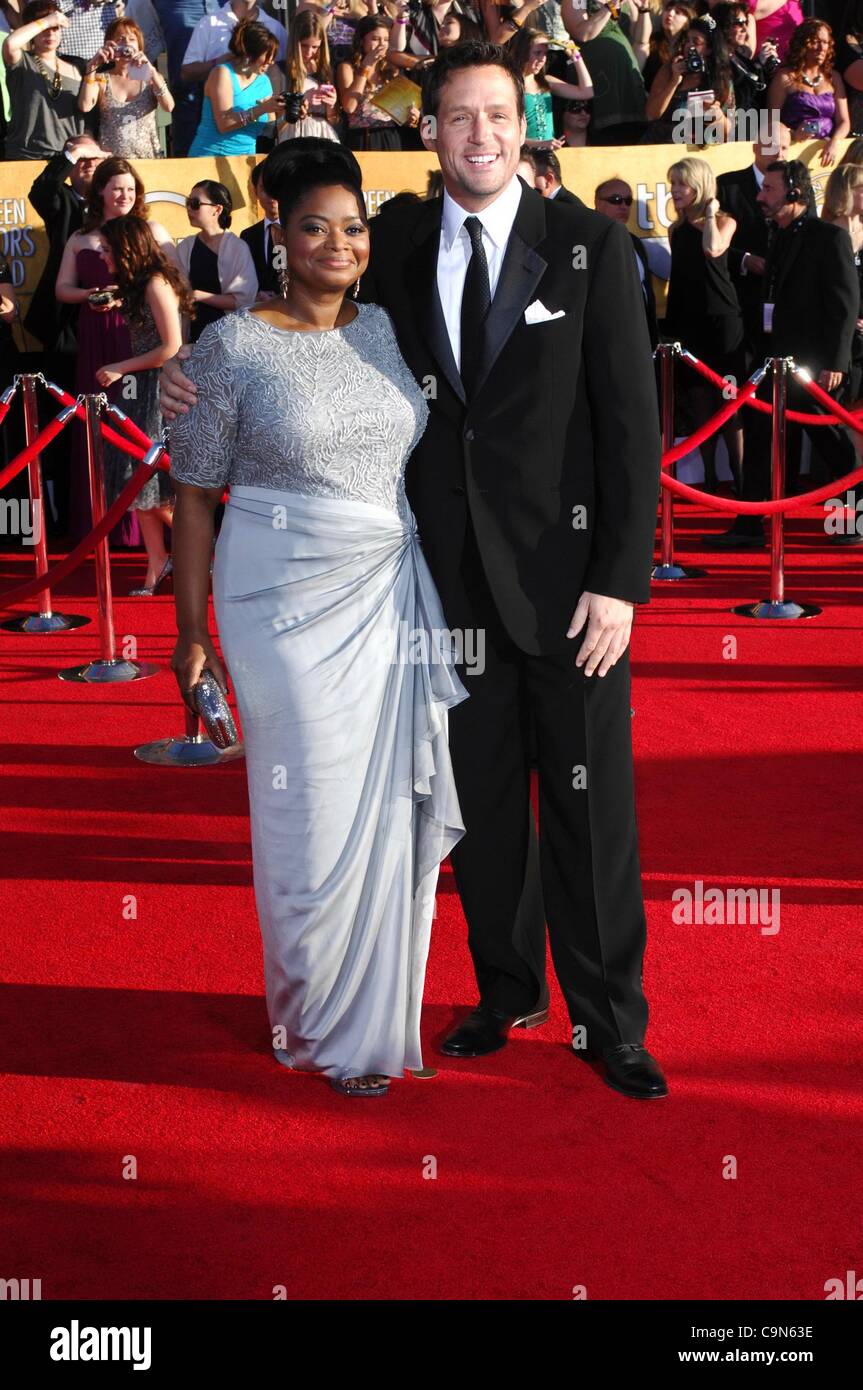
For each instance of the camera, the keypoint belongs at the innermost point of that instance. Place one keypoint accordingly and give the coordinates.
(694, 61)
(290, 103)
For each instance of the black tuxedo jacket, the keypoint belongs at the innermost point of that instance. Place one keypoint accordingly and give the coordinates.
(816, 296)
(254, 238)
(564, 416)
(63, 213)
(566, 195)
(648, 296)
(737, 191)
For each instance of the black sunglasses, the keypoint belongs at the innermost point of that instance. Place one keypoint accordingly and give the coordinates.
(617, 200)
(577, 106)
(195, 203)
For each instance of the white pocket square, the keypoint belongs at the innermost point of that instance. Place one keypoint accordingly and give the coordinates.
(537, 313)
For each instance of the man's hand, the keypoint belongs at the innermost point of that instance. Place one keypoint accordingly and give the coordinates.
(609, 624)
(828, 381)
(176, 391)
(755, 265)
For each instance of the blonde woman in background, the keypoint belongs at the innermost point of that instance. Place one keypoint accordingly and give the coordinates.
(853, 154)
(703, 311)
(843, 204)
(308, 69)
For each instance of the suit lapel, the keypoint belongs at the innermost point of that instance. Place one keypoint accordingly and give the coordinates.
(521, 272)
(421, 272)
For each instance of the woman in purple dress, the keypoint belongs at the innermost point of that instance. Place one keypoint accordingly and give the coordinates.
(103, 334)
(808, 94)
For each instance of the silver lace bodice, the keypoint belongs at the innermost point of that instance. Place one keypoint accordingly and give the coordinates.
(328, 413)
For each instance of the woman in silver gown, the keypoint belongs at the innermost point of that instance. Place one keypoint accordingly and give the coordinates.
(333, 635)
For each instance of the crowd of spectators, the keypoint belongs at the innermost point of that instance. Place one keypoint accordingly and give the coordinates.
(173, 77)
(91, 87)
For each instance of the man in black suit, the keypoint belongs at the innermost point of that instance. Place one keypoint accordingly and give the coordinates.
(259, 238)
(60, 204)
(535, 488)
(737, 192)
(547, 176)
(613, 198)
(811, 304)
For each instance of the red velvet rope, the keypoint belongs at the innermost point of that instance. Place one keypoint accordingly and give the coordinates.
(43, 438)
(799, 418)
(111, 435)
(783, 504)
(686, 446)
(84, 547)
(844, 417)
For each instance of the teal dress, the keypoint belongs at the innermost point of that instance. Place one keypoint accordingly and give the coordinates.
(537, 111)
(210, 140)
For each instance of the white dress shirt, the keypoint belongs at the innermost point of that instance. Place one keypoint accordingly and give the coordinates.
(212, 33)
(268, 223)
(454, 252)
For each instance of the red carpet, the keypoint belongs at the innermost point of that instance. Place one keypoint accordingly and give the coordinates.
(138, 1032)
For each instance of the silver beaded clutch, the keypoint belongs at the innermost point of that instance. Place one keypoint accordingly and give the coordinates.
(215, 711)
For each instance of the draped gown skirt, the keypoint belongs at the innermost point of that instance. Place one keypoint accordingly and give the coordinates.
(334, 639)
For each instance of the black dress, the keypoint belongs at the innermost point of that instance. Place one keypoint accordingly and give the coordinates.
(703, 312)
(204, 275)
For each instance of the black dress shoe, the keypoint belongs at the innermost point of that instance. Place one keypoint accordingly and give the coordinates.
(486, 1030)
(629, 1069)
(735, 538)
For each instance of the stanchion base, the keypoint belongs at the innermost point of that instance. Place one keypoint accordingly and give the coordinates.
(666, 572)
(767, 609)
(109, 672)
(40, 623)
(186, 752)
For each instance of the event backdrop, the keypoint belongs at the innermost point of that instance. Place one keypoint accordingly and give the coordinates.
(22, 236)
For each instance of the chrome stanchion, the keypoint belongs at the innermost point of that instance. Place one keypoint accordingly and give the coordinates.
(668, 569)
(192, 750)
(777, 606)
(45, 621)
(107, 670)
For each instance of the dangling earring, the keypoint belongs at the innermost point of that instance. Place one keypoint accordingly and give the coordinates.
(356, 288)
(284, 281)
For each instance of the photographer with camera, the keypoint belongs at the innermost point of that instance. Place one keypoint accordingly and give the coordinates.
(127, 89)
(750, 71)
(697, 80)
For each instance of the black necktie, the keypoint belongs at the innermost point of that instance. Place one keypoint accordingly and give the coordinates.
(475, 301)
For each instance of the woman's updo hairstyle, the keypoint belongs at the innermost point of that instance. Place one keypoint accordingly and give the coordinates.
(290, 173)
(218, 193)
(252, 40)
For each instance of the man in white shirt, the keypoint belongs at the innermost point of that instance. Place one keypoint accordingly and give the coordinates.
(208, 45)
